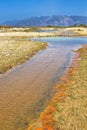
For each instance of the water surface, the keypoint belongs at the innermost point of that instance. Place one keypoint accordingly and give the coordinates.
(26, 89)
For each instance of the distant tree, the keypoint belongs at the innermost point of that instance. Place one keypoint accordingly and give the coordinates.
(49, 25)
(82, 25)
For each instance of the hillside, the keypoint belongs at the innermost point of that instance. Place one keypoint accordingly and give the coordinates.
(48, 20)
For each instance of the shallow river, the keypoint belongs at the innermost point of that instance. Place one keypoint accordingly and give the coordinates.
(26, 90)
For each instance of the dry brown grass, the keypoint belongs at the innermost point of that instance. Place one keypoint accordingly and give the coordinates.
(16, 50)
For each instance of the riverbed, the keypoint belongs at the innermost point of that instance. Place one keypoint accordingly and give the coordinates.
(26, 89)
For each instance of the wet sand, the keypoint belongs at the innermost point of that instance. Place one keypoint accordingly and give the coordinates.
(26, 89)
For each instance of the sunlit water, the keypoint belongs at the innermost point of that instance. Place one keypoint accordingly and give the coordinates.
(26, 89)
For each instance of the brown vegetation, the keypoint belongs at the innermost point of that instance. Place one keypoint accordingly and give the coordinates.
(15, 51)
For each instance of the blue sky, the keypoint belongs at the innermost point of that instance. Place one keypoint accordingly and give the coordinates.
(20, 9)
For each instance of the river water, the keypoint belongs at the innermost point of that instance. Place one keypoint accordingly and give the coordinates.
(26, 90)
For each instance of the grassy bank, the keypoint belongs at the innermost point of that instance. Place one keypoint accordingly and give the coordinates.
(43, 31)
(68, 109)
(14, 51)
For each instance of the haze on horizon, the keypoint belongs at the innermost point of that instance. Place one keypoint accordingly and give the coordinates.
(21, 9)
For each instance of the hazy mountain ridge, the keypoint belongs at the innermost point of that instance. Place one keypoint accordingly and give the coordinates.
(49, 20)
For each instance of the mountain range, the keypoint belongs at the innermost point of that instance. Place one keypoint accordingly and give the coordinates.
(48, 21)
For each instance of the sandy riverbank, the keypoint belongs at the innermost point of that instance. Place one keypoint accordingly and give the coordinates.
(67, 110)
